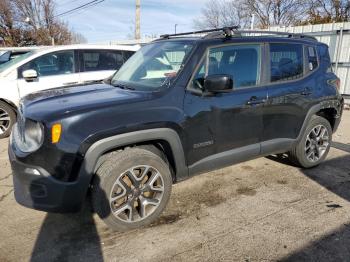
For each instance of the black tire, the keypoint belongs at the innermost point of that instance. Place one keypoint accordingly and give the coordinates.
(6, 112)
(114, 169)
(298, 155)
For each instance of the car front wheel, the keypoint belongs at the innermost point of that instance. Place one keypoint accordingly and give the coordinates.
(131, 188)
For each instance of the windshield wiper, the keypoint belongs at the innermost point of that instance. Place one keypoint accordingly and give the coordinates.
(123, 86)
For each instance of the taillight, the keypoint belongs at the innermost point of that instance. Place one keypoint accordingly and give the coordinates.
(335, 83)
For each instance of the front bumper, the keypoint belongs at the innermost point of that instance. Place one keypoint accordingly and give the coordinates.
(35, 188)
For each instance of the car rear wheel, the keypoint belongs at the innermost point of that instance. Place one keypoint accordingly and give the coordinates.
(131, 188)
(314, 146)
(7, 119)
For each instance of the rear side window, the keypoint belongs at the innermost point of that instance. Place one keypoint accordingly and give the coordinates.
(99, 60)
(312, 58)
(286, 61)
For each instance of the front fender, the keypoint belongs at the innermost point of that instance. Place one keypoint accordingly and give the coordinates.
(96, 150)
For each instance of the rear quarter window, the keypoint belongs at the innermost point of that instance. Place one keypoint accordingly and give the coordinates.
(312, 58)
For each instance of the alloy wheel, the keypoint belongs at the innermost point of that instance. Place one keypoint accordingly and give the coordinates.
(317, 142)
(5, 121)
(136, 194)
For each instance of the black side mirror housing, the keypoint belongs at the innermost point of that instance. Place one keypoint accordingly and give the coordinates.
(218, 83)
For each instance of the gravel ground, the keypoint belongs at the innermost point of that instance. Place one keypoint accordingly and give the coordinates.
(260, 210)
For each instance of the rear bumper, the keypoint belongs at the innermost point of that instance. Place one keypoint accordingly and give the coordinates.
(35, 188)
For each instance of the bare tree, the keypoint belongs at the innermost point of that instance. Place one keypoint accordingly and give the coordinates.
(8, 30)
(220, 13)
(277, 12)
(28, 22)
(327, 11)
(268, 12)
(77, 38)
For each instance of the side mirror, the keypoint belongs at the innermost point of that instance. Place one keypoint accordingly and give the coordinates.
(30, 75)
(218, 83)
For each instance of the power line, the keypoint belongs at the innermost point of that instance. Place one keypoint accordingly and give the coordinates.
(81, 7)
(67, 2)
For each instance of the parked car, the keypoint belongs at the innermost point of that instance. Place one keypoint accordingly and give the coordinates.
(179, 107)
(52, 67)
(9, 53)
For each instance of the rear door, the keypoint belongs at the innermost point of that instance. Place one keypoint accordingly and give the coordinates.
(289, 90)
(56, 69)
(96, 65)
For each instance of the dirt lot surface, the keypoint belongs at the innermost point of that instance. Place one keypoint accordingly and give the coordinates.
(261, 210)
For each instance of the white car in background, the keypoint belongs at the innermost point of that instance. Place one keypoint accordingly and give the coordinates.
(52, 67)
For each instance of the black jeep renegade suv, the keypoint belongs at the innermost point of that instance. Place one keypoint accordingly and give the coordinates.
(180, 106)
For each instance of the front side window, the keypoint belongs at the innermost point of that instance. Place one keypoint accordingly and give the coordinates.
(57, 63)
(154, 66)
(241, 62)
(286, 61)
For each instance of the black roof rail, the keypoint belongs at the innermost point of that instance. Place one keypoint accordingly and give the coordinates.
(231, 31)
(287, 34)
(227, 30)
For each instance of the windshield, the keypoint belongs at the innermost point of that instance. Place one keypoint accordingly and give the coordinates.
(14, 61)
(154, 66)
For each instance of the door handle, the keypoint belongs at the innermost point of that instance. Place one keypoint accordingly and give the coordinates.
(255, 101)
(70, 83)
(306, 92)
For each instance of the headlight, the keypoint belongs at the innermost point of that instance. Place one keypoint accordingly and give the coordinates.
(31, 137)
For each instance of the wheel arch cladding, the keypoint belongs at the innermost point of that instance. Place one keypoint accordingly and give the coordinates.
(10, 104)
(330, 110)
(330, 114)
(165, 137)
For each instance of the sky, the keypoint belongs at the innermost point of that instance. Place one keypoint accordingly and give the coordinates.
(115, 19)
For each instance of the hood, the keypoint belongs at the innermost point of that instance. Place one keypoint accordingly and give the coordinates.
(56, 102)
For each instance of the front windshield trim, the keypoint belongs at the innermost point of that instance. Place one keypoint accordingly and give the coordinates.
(167, 73)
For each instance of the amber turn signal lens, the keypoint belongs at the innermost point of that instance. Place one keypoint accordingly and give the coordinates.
(56, 133)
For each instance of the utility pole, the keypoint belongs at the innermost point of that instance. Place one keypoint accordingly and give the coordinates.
(175, 28)
(252, 22)
(137, 20)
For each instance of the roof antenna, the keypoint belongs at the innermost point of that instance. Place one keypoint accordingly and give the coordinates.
(228, 30)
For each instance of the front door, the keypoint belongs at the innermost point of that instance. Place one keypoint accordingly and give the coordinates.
(56, 69)
(225, 123)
